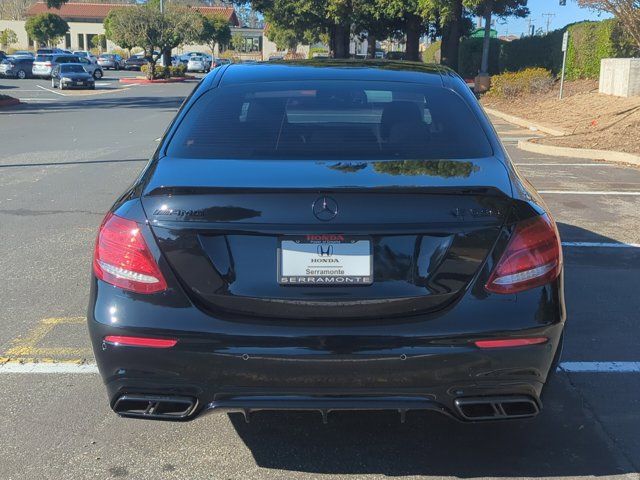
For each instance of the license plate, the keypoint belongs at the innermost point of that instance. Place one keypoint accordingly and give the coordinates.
(332, 260)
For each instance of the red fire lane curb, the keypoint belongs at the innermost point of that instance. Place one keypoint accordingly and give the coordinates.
(142, 80)
(9, 102)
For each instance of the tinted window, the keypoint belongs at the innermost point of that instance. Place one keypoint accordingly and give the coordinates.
(43, 58)
(330, 120)
(72, 68)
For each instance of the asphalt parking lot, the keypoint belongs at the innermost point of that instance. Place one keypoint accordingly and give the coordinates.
(63, 161)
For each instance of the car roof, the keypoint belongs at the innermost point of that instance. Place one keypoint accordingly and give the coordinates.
(330, 69)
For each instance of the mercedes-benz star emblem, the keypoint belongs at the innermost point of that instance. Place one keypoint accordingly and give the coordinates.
(325, 208)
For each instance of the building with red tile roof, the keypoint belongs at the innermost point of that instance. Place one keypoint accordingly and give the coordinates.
(97, 12)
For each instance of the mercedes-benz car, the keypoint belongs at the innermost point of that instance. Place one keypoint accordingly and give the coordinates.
(328, 235)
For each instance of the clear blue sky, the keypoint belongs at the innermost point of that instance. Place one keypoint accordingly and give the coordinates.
(563, 15)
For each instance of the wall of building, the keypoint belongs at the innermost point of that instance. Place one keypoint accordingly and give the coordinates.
(80, 34)
(78, 38)
(18, 27)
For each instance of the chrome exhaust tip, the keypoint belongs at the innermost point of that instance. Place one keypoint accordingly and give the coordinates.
(155, 407)
(497, 408)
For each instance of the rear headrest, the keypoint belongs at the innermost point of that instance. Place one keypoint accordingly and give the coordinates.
(399, 112)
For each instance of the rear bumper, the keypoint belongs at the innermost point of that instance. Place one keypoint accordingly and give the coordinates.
(225, 362)
(219, 372)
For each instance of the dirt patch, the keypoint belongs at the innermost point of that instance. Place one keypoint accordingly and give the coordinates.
(589, 119)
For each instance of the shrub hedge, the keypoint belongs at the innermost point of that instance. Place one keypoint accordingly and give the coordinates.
(589, 42)
(544, 51)
(431, 54)
(512, 84)
(165, 72)
(470, 57)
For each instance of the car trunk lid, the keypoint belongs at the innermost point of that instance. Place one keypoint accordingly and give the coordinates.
(429, 225)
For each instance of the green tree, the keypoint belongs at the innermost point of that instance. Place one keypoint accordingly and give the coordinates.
(284, 38)
(46, 28)
(8, 37)
(99, 41)
(412, 18)
(215, 30)
(375, 22)
(499, 8)
(237, 42)
(156, 33)
(448, 17)
(57, 4)
(311, 20)
(626, 11)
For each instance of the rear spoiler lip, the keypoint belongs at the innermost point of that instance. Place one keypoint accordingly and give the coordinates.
(441, 190)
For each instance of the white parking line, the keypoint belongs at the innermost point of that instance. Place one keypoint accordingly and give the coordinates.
(91, 368)
(593, 192)
(600, 245)
(51, 91)
(11, 367)
(600, 367)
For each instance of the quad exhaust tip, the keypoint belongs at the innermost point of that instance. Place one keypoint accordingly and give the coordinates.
(497, 408)
(157, 407)
(167, 407)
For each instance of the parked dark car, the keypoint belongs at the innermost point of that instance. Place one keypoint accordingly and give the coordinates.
(52, 51)
(218, 62)
(328, 235)
(24, 53)
(71, 75)
(17, 67)
(135, 62)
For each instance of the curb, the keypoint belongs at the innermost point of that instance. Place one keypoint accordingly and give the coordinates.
(9, 102)
(524, 123)
(142, 80)
(607, 155)
(586, 153)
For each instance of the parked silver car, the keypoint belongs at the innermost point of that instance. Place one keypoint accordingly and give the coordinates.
(198, 63)
(44, 65)
(86, 54)
(111, 60)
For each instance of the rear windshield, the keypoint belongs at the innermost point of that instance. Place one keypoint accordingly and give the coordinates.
(330, 120)
(43, 58)
(71, 68)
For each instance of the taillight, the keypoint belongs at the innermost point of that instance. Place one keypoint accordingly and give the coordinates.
(532, 258)
(510, 342)
(118, 340)
(48, 64)
(122, 257)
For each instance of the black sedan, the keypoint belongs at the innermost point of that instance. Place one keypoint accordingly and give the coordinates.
(325, 236)
(135, 62)
(71, 75)
(16, 67)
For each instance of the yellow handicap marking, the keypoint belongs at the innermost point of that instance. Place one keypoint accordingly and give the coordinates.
(29, 347)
